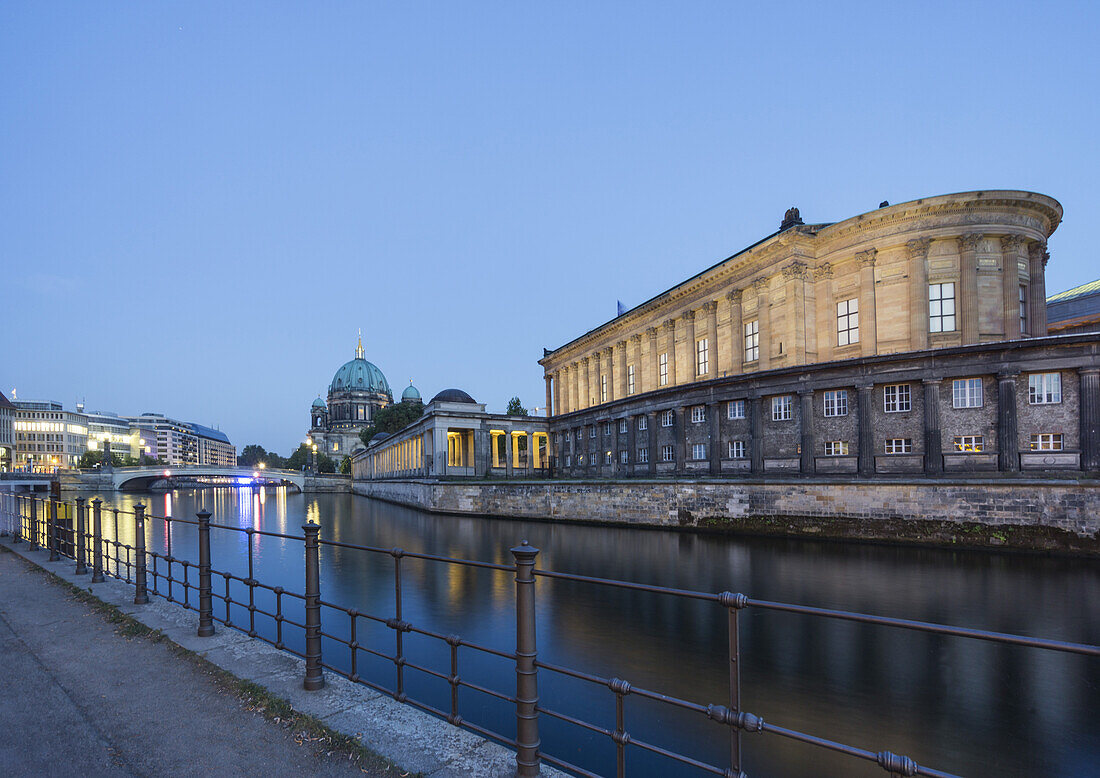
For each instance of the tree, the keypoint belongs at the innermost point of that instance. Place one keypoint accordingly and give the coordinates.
(95, 458)
(325, 464)
(391, 419)
(251, 455)
(345, 465)
(300, 457)
(515, 407)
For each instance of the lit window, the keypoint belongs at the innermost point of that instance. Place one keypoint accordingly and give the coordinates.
(580, 459)
(702, 359)
(836, 402)
(899, 446)
(699, 451)
(1046, 441)
(836, 448)
(752, 341)
(698, 414)
(847, 322)
(662, 370)
(737, 449)
(643, 455)
(603, 388)
(622, 426)
(735, 409)
(643, 424)
(969, 443)
(941, 307)
(666, 454)
(630, 379)
(966, 393)
(897, 398)
(1044, 388)
(667, 418)
(624, 457)
(782, 408)
(607, 458)
(1023, 309)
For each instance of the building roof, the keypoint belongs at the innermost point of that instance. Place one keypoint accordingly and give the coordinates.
(453, 396)
(209, 432)
(1092, 287)
(4, 402)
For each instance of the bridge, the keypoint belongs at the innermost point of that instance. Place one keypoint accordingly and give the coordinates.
(142, 477)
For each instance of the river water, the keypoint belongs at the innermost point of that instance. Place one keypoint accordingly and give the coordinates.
(953, 704)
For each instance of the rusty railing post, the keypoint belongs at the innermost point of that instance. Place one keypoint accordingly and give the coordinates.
(141, 595)
(527, 687)
(206, 601)
(80, 550)
(315, 678)
(53, 531)
(97, 541)
(32, 522)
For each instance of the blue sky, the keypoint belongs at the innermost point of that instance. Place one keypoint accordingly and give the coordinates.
(201, 202)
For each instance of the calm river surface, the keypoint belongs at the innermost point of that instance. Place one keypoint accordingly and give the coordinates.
(953, 704)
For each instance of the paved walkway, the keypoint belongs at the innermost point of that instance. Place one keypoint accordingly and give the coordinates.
(78, 698)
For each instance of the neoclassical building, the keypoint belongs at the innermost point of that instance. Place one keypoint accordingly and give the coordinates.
(906, 340)
(358, 390)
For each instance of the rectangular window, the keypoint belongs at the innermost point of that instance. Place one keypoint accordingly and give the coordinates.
(752, 341)
(698, 414)
(1023, 309)
(607, 428)
(622, 426)
(603, 388)
(969, 443)
(702, 358)
(568, 460)
(667, 418)
(1046, 441)
(735, 409)
(1044, 388)
(624, 457)
(737, 449)
(836, 448)
(643, 423)
(847, 322)
(699, 451)
(662, 370)
(580, 432)
(899, 446)
(643, 455)
(782, 408)
(897, 398)
(592, 431)
(630, 379)
(666, 454)
(941, 307)
(836, 402)
(966, 393)
(607, 458)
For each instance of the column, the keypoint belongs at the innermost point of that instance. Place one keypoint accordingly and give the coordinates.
(652, 367)
(1090, 418)
(868, 334)
(1008, 443)
(737, 332)
(967, 302)
(549, 395)
(710, 308)
(933, 441)
(1037, 290)
(795, 276)
(620, 370)
(807, 465)
(597, 372)
(714, 445)
(639, 386)
(825, 311)
(652, 428)
(575, 394)
(609, 370)
(1012, 247)
(530, 468)
(918, 292)
(866, 431)
(691, 373)
(586, 398)
(763, 316)
(670, 352)
(756, 423)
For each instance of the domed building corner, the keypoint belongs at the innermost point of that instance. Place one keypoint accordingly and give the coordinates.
(357, 392)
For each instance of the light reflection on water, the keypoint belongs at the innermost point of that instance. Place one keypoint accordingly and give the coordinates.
(958, 705)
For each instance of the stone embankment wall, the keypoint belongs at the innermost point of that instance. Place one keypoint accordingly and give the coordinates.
(1031, 514)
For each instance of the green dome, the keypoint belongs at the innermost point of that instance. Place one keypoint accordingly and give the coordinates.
(410, 393)
(359, 375)
(319, 403)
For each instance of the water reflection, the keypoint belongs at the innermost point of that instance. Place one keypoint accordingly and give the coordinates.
(958, 705)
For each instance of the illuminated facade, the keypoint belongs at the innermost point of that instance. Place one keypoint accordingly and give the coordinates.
(7, 434)
(47, 437)
(109, 429)
(358, 390)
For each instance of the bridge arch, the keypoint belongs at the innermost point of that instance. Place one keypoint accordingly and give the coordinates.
(143, 477)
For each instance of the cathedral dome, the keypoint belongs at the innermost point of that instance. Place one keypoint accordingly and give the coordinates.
(359, 375)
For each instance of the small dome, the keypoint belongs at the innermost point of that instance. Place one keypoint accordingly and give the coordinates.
(411, 393)
(319, 403)
(453, 396)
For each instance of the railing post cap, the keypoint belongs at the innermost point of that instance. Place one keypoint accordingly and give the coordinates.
(203, 514)
(79, 500)
(139, 507)
(525, 551)
(97, 501)
(309, 526)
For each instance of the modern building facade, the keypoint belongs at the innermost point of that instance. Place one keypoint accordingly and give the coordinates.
(213, 446)
(908, 340)
(1075, 310)
(358, 390)
(48, 437)
(456, 437)
(7, 434)
(109, 430)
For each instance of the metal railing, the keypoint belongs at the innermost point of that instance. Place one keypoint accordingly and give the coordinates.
(46, 523)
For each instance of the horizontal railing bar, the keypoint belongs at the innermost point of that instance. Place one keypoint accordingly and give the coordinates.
(578, 722)
(677, 757)
(567, 766)
(416, 555)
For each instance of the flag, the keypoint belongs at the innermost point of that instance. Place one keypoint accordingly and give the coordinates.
(620, 309)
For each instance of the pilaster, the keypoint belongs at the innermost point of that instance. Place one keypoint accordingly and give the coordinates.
(967, 303)
(1012, 248)
(806, 425)
(933, 441)
(737, 332)
(670, 351)
(1008, 445)
(866, 430)
(763, 317)
(918, 292)
(1037, 289)
(826, 311)
(652, 373)
(715, 438)
(710, 308)
(868, 334)
(1090, 418)
(756, 422)
(620, 370)
(689, 373)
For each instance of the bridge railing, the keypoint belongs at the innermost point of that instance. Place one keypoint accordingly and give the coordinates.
(240, 601)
